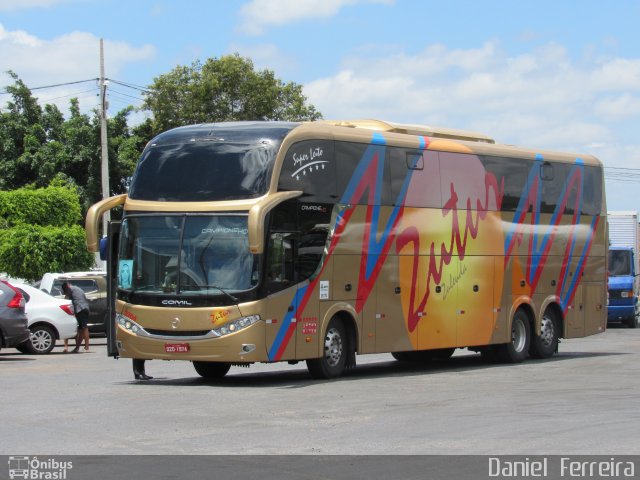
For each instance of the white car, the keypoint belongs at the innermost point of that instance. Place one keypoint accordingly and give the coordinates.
(49, 318)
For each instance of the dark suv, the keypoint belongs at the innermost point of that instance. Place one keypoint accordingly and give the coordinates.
(94, 285)
(13, 321)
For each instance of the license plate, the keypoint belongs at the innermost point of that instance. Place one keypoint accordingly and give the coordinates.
(176, 347)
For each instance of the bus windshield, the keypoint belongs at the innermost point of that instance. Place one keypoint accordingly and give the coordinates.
(201, 171)
(186, 255)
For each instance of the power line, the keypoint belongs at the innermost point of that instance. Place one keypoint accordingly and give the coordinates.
(131, 85)
(58, 85)
(111, 91)
(71, 94)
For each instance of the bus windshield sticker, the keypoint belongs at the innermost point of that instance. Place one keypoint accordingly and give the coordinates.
(124, 273)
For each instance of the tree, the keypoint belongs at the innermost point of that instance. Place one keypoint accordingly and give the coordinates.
(38, 144)
(224, 89)
(40, 232)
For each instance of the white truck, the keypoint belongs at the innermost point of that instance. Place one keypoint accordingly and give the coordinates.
(623, 268)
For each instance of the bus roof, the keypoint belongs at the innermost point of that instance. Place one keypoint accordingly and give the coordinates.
(410, 129)
(255, 131)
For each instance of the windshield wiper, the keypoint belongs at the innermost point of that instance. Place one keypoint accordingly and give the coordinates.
(226, 294)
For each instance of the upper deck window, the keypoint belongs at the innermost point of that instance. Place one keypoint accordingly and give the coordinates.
(203, 170)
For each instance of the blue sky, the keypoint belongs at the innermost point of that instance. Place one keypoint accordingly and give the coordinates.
(548, 74)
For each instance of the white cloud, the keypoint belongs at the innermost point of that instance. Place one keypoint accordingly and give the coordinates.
(540, 98)
(257, 15)
(619, 107)
(266, 55)
(71, 57)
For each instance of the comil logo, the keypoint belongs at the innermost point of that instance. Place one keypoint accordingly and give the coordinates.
(38, 469)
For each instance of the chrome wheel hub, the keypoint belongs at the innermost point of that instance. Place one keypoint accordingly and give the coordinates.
(333, 347)
(518, 335)
(547, 331)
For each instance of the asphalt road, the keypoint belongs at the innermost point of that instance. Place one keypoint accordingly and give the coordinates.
(585, 400)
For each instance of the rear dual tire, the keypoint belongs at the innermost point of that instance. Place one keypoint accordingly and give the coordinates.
(545, 344)
(518, 349)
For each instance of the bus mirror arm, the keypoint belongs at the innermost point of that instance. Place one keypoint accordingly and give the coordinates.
(257, 215)
(94, 214)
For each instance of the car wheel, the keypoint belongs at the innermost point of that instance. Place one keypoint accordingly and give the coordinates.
(42, 340)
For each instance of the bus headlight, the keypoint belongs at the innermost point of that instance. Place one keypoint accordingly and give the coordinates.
(128, 324)
(236, 325)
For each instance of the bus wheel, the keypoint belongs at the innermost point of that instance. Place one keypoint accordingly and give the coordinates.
(489, 353)
(516, 350)
(211, 369)
(546, 343)
(334, 356)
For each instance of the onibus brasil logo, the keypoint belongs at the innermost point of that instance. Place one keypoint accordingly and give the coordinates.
(34, 468)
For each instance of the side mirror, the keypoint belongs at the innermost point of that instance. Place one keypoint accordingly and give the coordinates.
(104, 245)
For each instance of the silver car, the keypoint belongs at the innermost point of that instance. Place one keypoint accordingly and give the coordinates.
(13, 320)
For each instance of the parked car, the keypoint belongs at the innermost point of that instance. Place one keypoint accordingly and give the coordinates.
(49, 318)
(13, 320)
(94, 285)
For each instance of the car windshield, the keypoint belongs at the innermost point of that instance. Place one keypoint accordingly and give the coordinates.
(619, 263)
(186, 254)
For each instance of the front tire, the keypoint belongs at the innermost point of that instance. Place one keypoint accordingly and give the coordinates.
(518, 349)
(545, 344)
(335, 351)
(41, 341)
(211, 370)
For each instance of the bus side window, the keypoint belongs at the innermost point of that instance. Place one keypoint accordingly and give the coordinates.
(310, 250)
(280, 271)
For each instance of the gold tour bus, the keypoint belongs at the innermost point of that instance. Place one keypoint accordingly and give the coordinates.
(261, 241)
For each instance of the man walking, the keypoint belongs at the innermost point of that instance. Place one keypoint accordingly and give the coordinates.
(81, 310)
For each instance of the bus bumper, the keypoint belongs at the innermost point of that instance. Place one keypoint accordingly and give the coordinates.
(245, 346)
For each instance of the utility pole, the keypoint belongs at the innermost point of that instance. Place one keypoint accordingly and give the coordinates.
(103, 138)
